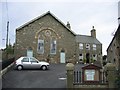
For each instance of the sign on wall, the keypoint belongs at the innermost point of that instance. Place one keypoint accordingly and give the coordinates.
(90, 75)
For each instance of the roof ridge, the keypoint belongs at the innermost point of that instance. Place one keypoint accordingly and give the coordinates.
(83, 35)
(32, 20)
(48, 12)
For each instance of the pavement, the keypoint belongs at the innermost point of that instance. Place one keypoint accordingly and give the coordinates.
(36, 78)
(55, 77)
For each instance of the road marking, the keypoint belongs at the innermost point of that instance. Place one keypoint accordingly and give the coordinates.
(62, 78)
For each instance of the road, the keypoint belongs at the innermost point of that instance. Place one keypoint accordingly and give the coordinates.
(55, 77)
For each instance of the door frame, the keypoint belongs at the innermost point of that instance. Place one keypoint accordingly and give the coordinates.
(62, 57)
(29, 52)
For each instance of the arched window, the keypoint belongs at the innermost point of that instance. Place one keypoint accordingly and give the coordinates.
(40, 47)
(53, 46)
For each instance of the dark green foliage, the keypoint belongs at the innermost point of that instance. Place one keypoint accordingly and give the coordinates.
(7, 62)
(9, 49)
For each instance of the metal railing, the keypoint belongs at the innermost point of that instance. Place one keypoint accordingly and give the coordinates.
(77, 78)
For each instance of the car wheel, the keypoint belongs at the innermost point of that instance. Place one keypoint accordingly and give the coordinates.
(44, 67)
(19, 67)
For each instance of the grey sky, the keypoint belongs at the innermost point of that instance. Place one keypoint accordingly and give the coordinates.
(82, 15)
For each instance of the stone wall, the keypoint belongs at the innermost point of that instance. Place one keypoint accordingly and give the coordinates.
(91, 86)
(110, 76)
(28, 37)
(113, 51)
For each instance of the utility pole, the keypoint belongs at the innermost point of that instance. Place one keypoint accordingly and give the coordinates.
(7, 34)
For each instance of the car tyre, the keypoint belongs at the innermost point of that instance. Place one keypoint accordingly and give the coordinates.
(44, 67)
(19, 67)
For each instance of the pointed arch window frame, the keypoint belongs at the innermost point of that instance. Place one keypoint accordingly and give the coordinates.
(53, 46)
(40, 47)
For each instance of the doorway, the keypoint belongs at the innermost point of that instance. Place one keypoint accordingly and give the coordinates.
(87, 57)
(30, 52)
(62, 56)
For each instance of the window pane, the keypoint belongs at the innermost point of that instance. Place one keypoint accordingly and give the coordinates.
(95, 57)
(53, 47)
(88, 46)
(41, 46)
(94, 47)
(25, 60)
(81, 57)
(80, 46)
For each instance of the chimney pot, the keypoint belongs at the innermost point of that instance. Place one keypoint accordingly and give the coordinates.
(93, 32)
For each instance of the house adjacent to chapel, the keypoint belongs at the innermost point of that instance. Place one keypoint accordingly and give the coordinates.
(48, 38)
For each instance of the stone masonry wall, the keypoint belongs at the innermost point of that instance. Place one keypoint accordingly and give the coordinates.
(27, 37)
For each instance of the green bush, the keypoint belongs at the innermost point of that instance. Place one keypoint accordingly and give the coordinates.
(84, 60)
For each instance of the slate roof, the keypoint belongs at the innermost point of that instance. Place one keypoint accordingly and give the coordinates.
(47, 13)
(95, 65)
(86, 39)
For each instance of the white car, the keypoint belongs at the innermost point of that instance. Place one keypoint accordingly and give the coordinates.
(30, 63)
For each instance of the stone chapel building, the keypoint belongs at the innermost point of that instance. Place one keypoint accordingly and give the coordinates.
(113, 50)
(47, 38)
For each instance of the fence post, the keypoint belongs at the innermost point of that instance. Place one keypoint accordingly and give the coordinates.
(70, 75)
(111, 75)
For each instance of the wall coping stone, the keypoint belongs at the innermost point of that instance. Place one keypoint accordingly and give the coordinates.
(70, 66)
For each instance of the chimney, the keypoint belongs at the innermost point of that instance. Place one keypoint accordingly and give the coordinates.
(68, 25)
(93, 32)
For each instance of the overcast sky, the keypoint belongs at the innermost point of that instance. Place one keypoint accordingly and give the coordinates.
(82, 15)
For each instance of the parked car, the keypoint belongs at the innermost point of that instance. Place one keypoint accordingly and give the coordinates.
(30, 63)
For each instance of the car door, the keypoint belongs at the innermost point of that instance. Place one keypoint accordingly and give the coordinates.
(26, 63)
(34, 63)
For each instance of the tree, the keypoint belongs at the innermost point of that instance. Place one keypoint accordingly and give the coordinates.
(9, 49)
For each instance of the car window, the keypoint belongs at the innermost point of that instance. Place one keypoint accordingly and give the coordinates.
(33, 60)
(25, 60)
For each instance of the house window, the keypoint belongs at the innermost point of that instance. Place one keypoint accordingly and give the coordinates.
(88, 46)
(80, 57)
(80, 46)
(40, 46)
(95, 57)
(53, 47)
(94, 46)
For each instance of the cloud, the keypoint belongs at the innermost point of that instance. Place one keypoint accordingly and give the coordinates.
(81, 15)
(60, 1)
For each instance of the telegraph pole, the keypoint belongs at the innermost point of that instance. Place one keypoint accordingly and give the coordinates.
(7, 34)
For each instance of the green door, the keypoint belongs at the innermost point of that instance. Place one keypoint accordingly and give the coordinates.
(29, 53)
(62, 57)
